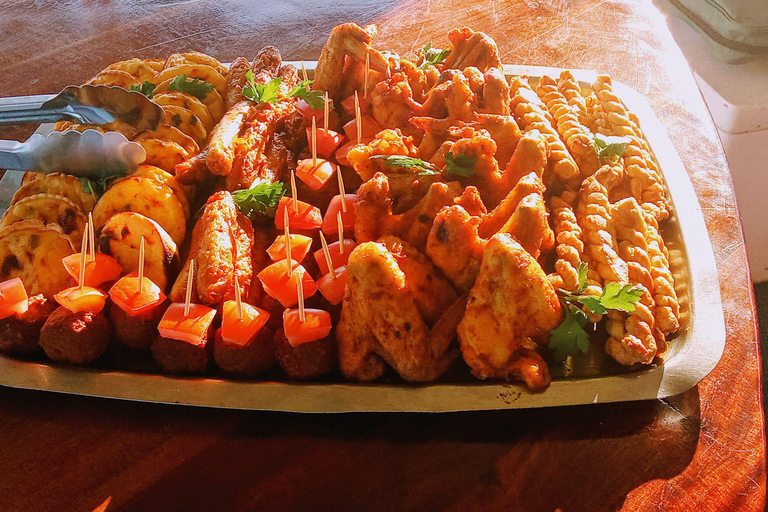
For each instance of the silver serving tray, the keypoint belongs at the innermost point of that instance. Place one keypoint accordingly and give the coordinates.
(692, 354)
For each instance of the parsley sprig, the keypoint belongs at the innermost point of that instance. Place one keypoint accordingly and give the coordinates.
(461, 165)
(607, 146)
(408, 162)
(147, 89)
(194, 86)
(432, 56)
(570, 336)
(270, 92)
(261, 199)
(97, 187)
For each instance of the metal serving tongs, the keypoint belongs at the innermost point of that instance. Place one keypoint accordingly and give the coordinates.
(90, 153)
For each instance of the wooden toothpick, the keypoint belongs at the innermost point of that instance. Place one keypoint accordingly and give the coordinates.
(341, 232)
(91, 235)
(190, 280)
(141, 265)
(367, 69)
(300, 294)
(83, 254)
(287, 231)
(238, 299)
(314, 143)
(294, 192)
(325, 113)
(342, 190)
(327, 254)
(304, 72)
(358, 118)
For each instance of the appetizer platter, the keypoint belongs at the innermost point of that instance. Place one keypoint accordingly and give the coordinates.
(369, 232)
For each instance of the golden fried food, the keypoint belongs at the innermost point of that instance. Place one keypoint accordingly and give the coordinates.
(470, 48)
(49, 209)
(121, 237)
(147, 196)
(167, 179)
(221, 146)
(187, 101)
(381, 324)
(56, 184)
(455, 246)
(33, 252)
(510, 305)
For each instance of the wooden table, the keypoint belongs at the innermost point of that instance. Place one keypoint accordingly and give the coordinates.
(703, 450)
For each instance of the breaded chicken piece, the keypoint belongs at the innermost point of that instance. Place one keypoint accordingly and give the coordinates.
(221, 246)
(381, 323)
(511, 304)
(470, 48)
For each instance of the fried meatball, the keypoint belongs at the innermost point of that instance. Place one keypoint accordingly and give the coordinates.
(176, 356)
(78, 338)
(136, 331)
(249, 360)
(308, 360)
(22, 333)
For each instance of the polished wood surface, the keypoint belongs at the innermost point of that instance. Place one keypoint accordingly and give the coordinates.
(703, 450)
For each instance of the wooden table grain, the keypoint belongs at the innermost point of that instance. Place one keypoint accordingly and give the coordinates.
(701, 451)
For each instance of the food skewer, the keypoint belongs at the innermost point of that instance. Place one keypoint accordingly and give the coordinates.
(325, 113)
(190, 280)
(91, 235)
(83, 252)
(304, 72)
(314, 143)
(287, 231)
(358, 119)
(365, 79)
(294, 192)
(342, 190)
(238, 299)
(300, 295)
(341, 231)
(327, 253)
(141, 265)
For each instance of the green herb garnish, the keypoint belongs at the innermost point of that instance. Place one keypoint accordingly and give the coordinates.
(194, 86)
(432, 56)
(261, 199)
(570, 335)
(461, 165)
(607, 146)
(147, 89)
(97, 187)
(407, 162)
(315, 99)
(262, 93)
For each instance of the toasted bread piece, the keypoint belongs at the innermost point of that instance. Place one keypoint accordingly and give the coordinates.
(212, 100)
(164, 154)
(187, 122)
(143, 69)
(121, 236)
(178, 59)
(32, 251)
(201, 71)
(168, 132)
(49, 209)
(146, 196)
(182, 99)
(167, 179)
(115, 77)
(58, 185)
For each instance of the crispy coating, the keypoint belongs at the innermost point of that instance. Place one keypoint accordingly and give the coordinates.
(494, 220)
(578, 139)
(570, 242)
(221, 246)
(236, 81)
(22, 333)
(511, 303)
(455, 246)
(636, 342)
(470, 48)
(531, 114)
(221, 146)
(667, 313)
(569, 87)
(380, 322)
(645, 183)
(347, 40)
(529, 225)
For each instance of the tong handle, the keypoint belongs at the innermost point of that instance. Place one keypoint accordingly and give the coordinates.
(38, 115)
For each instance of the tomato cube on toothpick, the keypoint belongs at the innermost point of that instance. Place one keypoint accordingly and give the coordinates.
(187, 322)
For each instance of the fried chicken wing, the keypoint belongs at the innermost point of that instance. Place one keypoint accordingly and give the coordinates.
(380, 322)
(455, 246)
(510, 305)
(347, 40)
(470, 48)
